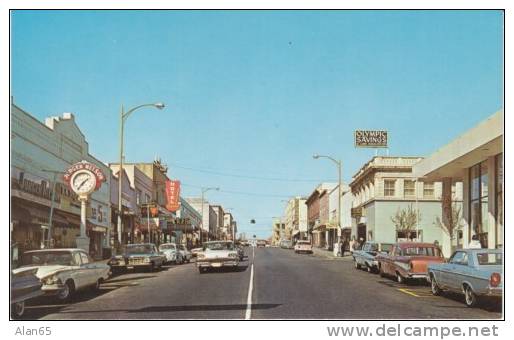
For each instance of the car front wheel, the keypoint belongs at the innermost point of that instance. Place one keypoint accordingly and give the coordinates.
(435, 288)
(18, 309)
(67, 292)
(400, 279)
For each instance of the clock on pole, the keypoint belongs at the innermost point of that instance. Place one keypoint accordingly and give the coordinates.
(84, 178)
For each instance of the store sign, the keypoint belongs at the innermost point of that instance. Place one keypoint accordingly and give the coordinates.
(86, 167)
(370, 138)
(172, 195)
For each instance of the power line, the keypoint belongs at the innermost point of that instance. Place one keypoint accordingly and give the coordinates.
(245, 193)
(218, 173)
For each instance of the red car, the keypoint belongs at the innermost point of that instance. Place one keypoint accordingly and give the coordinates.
(409, 260)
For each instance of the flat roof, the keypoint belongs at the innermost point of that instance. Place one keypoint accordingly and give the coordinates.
(472, 147)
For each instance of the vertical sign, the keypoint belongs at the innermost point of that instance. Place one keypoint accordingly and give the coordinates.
(172, 195)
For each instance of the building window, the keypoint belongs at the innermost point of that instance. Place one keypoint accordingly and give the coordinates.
(428, 190)
(409, 189)
(389, 185)
(100, 214)
(138, 197)
(147, 198)
(479, 202)
(499, 200)
(93, 213)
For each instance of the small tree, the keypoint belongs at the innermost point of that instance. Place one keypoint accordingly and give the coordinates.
(405, 220)
(454, 223)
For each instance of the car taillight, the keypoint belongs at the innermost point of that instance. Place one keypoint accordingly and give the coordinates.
(495, 280)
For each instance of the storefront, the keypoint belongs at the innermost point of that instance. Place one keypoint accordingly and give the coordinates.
(40, 153)
(475, 159)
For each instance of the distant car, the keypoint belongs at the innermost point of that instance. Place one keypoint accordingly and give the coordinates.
(261, 243)
(366, 257)
(217, 254)
(286, 244)
(240, 252)
(303, 246)
(474, 272)
(170, 251)
(63, 272)
(184, 254)
(139, 255)
(195, 251)
(409, 260)
(25, 285)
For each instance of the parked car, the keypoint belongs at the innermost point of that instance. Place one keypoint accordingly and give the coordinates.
(170, 252)
(409, 260)
(217, 254)
(303, 247)
(139, 255)
(286, 244)
(366, 256)
(25, 285)
(63, 272)
(184, 254)
(195, 251)
(476, 273)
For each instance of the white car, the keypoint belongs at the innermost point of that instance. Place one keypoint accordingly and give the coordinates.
(217, 254)
(170, 251)
(303, 247)
(64, 271)
(184, 254)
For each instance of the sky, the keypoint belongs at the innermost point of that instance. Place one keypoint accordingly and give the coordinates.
(251, 95)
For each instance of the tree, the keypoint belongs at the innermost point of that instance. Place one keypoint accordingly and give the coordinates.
(453, 219)
(405, 220)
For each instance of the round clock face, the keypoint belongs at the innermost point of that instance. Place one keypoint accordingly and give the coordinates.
(83, 182)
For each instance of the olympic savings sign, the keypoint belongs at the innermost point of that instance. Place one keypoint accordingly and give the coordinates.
(370, 138)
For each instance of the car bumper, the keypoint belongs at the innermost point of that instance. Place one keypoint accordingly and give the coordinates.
(217, 264)
(418, 276)
(494, 291)
(52, 289)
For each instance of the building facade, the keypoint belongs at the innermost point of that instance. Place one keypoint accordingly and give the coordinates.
(476, 159)
(209, 223)
(38, 151)
(386, 186)
(129, 214)
(318, 216)
(295, 218)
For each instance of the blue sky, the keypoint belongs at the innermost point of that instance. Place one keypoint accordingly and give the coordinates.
(257, 93)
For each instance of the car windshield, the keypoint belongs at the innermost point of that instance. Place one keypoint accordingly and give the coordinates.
(386, 247)
(219, 246)
(181, 247)
(373, 247)
(489, 259)
(48, 258)
(167, 247)
(420, 251)
(138, 249)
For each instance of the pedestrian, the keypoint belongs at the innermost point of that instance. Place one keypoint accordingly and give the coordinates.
(475, 243)
(344, 245)
(352, 244)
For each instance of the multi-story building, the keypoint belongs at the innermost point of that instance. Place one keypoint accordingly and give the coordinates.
(476, 159)
(233, 230)
(143, 188)
(159, 215)
(209, 217)
(38, 151)
(129, 206)
(346, 206)
(386, 186)
(186, 226)
(278, 227)
(220, 218)
(295, 218)
(227, 231)
(318, 216)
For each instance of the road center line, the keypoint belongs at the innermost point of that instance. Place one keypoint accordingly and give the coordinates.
(248, 314)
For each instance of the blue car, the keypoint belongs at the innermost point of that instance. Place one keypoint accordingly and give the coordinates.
(474, 272)
(365, 257)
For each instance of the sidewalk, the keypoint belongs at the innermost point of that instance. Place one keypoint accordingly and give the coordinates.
(329, 254)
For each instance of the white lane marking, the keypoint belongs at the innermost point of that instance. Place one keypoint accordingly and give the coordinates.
(248, 314)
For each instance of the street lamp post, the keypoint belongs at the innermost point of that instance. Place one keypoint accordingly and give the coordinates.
(204, 190)
(339, 169)
(50, 219)
(123, 117)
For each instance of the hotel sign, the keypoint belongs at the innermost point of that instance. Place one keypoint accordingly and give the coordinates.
(370, 138)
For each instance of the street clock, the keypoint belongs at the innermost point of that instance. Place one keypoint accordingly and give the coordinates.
(83, 182)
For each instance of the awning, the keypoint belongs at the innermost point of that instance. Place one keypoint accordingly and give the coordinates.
(95, 227)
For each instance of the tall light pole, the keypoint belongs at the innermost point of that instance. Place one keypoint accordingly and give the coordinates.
(123, 117)
(339, 168)
(50, 219)
(204, 190)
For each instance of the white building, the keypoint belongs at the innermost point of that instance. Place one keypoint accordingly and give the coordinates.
(476, 159)
(295, 219)
(53, 145)
(386, 185)
(346, 207)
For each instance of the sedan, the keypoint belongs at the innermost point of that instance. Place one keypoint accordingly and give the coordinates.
(303, 247)
(63, 272)
(476, 273)
(217, 254)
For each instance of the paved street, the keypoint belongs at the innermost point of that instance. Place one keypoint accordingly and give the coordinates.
(285, 285)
